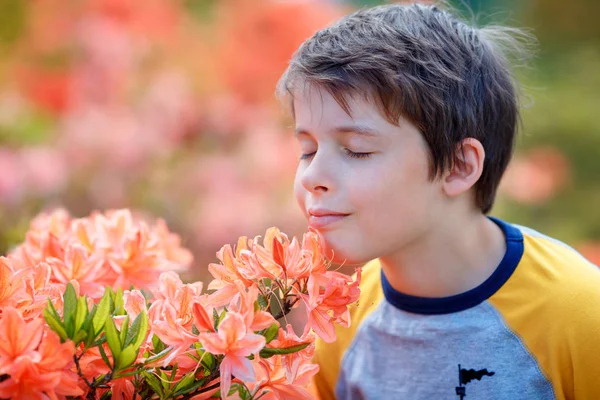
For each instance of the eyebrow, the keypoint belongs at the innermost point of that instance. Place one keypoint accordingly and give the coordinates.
(358, 129)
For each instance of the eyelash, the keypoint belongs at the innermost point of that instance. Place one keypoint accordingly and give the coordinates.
(348, 152)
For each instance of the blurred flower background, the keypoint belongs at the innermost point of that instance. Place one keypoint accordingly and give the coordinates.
(167, 107)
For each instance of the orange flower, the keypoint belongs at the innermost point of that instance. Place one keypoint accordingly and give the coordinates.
(243, 304)
(271, 377)
(226, 275)
(292, 362)
(327, 302)
(10, 284)
(79, 266)
(174, 311)
(280, 258)
(236, 341)
(17, 338)
(36, 362)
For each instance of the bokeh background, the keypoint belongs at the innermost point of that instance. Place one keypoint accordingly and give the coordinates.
(167, 107)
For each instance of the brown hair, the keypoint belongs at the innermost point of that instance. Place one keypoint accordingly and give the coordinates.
(449, 79)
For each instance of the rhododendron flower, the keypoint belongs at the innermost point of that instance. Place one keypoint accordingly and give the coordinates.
(243, 304)
(10, 283)
(292, 362)
(226, 275)
(327, 302)
(78, 265)
(34, 360)
(175, 334)
(280, 258)
(17, 338)
(271, 377)
(236, 342)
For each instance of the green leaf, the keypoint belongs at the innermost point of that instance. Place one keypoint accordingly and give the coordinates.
(106, 395)
(271, 332)
(208, 361)
(138, 331)
(119, 303)
(88, 327)
(164, 380)
(157, 344)
(102, 312)
(80, 336)
(184, 383)
(197, 384)
(153, 382)
(126, 358)
(89, 339)
(173, 373)
(69, 309)
(112, 337)
(222, 316)
(263, 302)
(89, 318)
(124, 330)
(55, 324)
(216, 319)
(104, 356)
(158, 356)
(241, 389)
(80, 314)
(53, 311)
(269, 352)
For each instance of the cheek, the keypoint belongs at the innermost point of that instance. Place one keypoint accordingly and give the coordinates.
(299, 191)
(399, 191)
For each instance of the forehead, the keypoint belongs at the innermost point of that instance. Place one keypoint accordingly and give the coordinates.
(315, 108)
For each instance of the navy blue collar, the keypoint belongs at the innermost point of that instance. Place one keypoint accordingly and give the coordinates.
(468, 299)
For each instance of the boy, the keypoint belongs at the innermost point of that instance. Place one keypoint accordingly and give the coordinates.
(406, 118)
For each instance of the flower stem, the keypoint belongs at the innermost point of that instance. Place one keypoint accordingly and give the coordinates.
(287, 307)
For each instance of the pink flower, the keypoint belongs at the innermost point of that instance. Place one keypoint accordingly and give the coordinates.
(35, 361)
(271, 377)
(226, 275)
(78, 265)
(243, 304)
(11, 284)
(327, 302)
(293, 361)
(236, 342)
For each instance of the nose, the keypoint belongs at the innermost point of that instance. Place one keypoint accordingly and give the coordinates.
(317, 176)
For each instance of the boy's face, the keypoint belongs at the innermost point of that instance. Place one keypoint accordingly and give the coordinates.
(362, 182)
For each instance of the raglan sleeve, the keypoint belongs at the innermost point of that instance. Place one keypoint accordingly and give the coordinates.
(583, 341)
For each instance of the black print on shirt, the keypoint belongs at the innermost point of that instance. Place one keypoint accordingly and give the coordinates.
(467, 375)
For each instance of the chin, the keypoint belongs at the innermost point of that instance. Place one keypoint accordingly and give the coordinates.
(343, 255)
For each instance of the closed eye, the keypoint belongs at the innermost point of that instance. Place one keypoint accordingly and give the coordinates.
(308, 155)
(357, 155)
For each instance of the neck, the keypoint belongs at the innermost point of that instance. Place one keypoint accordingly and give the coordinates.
(448, 260)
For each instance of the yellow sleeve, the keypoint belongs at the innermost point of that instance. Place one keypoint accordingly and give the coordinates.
(560, 325)
(584, 343)
(329, 355)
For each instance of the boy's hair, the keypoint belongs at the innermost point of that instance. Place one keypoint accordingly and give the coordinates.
(449, 79)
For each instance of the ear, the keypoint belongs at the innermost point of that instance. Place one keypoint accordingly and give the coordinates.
(467, 168)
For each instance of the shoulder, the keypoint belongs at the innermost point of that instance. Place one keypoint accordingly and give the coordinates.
(554, 278)
(552, 303)
(572, 282)
(329, 355)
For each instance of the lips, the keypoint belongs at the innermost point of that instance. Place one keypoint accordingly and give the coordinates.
(320, 218)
